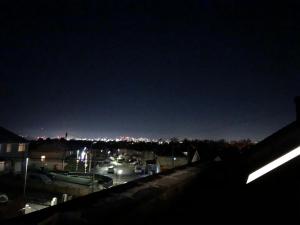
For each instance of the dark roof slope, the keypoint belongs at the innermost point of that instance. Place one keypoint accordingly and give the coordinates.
(7, 136)
(49, 147)
(274, 146)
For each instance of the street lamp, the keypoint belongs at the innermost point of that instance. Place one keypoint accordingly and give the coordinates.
(85, 163)
(91, 156)
(91, 161)
(25, 178)
(77, 160)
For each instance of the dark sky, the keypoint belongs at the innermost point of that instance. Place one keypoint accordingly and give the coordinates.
(196, 69)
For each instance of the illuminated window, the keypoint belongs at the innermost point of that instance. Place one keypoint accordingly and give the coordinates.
(22, 148)
(43, 158)
(8, 148)
(274, 164)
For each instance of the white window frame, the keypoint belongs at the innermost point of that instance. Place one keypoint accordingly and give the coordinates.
(22, 147)
(273, 165)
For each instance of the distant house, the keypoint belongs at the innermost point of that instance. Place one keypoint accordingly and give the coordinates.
(276, 160)
(196, 157)
(50, 155)
(192, 156)
(13, 151)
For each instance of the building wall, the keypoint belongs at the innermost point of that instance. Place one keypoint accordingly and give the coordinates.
(13, 155)
(148, 155)
(48, 164)
(50, 151)
(48, 155)
(13, 150)
(166, 162)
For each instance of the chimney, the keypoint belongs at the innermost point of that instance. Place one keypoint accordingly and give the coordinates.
(297, 102)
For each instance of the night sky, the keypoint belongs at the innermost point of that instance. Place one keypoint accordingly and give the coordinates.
(187, 69)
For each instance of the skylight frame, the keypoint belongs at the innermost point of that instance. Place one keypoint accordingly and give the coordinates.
(273, 165)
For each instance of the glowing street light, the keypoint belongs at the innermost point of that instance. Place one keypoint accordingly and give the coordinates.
(77, 160)
(120, 172)
(83, 155)
(85, 164)
(25, 178)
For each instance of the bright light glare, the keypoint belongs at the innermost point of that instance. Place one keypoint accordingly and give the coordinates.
(83, 155)
(120, 172)
(273, 165)
(43, 158)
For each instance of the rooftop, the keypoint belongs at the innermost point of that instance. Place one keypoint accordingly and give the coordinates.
(7, 136)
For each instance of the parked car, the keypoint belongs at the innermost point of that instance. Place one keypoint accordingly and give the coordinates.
(3, 198)
(38, 178)
(138, 169)
(111, 170)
